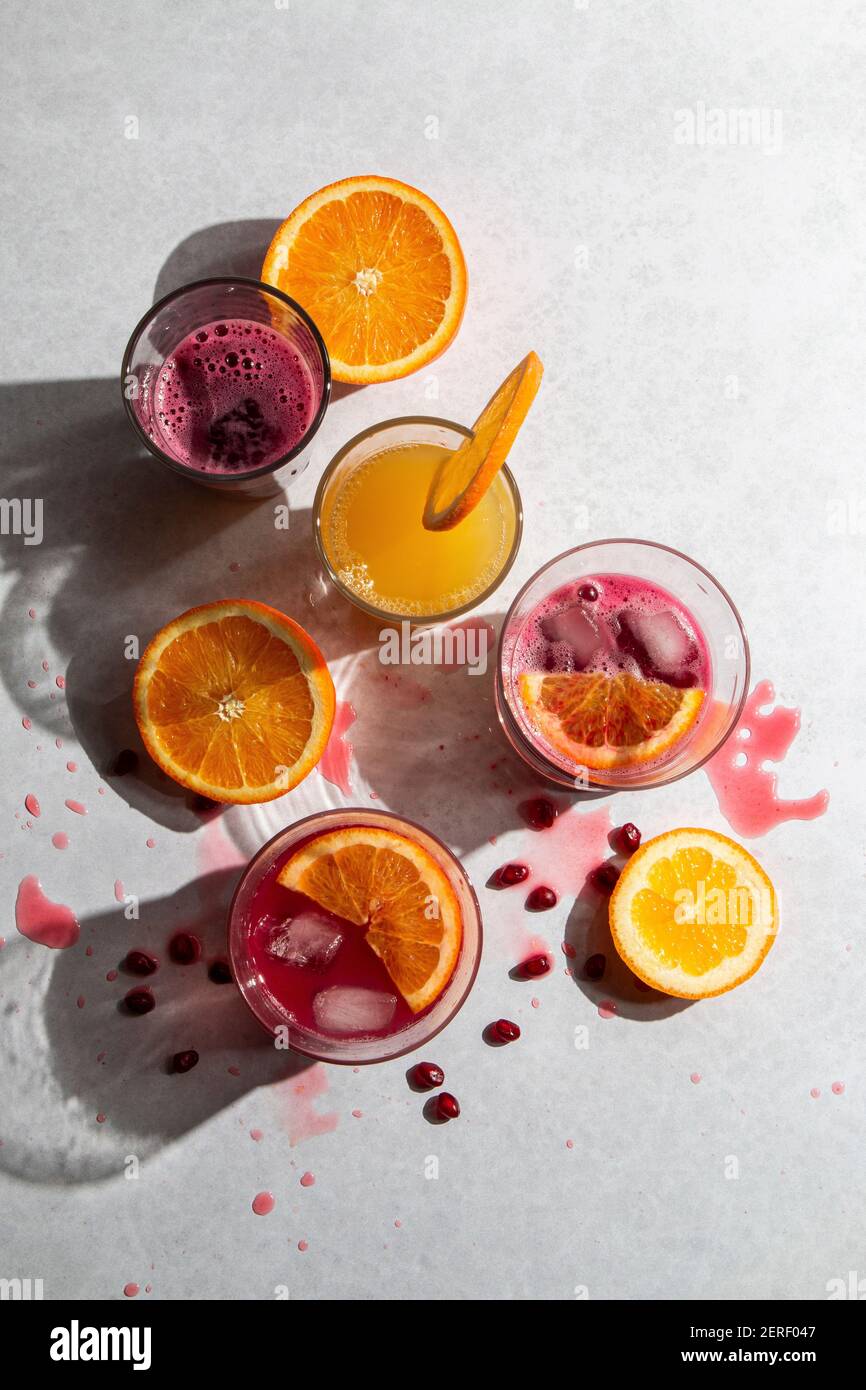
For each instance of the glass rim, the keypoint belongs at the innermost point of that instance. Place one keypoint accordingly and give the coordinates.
(504, 705)
(418, 619)
(388, 1056)
(228, 479)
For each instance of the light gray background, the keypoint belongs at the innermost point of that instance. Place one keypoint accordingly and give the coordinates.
(700, 315)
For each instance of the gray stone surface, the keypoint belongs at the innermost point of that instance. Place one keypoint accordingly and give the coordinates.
(699, 309)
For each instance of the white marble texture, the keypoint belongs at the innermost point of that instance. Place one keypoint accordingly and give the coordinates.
(699, 310)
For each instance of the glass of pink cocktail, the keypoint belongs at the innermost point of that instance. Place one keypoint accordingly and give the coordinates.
(622, 663)
(311, 976)
(227, 381)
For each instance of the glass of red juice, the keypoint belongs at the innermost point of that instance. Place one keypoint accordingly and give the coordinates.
(334, 1001)
(226, 381)
(629, 609)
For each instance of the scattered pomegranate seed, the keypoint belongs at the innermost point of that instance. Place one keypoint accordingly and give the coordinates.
(140, 963)
(595, 967)
(537, 965)
(505, 1030)
(184, 948)
(446, 1106)
(510, 874)
(184, 1061)
(588, 592)
(140, 1000)
(540, 812)
(219, 972)
(605, 877)
(629, 837)
(541, 899)
(427, 1074)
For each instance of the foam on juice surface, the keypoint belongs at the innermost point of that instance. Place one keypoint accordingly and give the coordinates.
(234, 396)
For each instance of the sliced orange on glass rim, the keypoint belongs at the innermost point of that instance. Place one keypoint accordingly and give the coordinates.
(234, 701)
(693, 914)
(379, 268)
(464, 476)
(392, 887)
(599, 721)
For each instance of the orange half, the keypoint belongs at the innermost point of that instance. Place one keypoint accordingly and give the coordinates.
(463, 477)
(599, 721)
(693, 914)
(392, 887)
(379, 268)
(234, 701)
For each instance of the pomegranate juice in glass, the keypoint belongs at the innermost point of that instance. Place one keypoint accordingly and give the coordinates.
(622, 663)
(311, 976)
(226, 381)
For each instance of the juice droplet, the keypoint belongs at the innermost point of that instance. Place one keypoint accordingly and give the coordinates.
(72, 767)
(77, 807)
(256, 1135)
(130, 1290)
(695, 1078)
(303, 1245)
(264, 1203)
(32, 804)
(60, 840)
(745, 789)
(607, 1009)
(336, 761)
(118, 890)
(60, 682)
(815, 1093)
(40, 920)
(308, 1180)
(838, 1088)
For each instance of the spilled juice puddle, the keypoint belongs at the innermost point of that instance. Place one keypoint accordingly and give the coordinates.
(336, 761)
(41, 920)
(745, 789)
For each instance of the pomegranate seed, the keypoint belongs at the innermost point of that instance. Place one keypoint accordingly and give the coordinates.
(428, 1075)
(219, 972)
(140, 963)
(510, 874)
(537, 965)
(505, 1030)
(184, 948)
(629, 837)
(540, 812)
(184, 1061)
(446, 1106)
(140, 1000)
(595, 967)
(605, 877)
(588, 592)
(541, 899)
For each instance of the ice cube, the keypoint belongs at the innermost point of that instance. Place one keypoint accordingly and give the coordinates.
(575, 627)
(310, 940)
(659, 643)
(349, 1009)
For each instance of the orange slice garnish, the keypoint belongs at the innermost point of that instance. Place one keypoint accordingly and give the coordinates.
(599, 721)
(463, 478)
(693, 914)
(379, 268)
(393, 888)
(234, 701)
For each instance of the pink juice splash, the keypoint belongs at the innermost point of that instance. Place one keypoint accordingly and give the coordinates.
(336, 761)
(233, 397)
(41, 920)
(318, 967)
(745, 789)
(611, 624)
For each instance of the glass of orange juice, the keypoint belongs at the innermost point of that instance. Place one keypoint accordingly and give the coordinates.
(370, 535)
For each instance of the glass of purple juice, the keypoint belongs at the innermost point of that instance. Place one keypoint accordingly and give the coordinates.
(226, 381)
(636, 613)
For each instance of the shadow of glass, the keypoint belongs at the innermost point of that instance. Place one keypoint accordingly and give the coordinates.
(67, 1062)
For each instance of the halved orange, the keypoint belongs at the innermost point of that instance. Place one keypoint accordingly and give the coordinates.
(693, 913)
(600, 721)
(234, 701)
(394, 888)
(379, 268)
(463, 477)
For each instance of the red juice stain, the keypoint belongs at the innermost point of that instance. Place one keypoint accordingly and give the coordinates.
(745, 789)
(77, 807)
(336, 761)
(815, 1093)
(111, 976)
(131, 1290)
(233, 1071)
(303, 1245)
(256, 1135)
(40, 920)
(72, 767)
(398, 1223)
(302, 1120)
(569, 1143)
(118, 890)
(60, 840)
(26, 723)
(89, 951)
(45, 665)
(58, 743)
(60, 682)
(151, 844)
(81, 1001)
(838, 1088)
(607, 1008)
(32, 804)
(695, 1078)
(264, 1203)
(31, 685)
(308, 1180)
(31, 612)
(357, 1114)
(101, 1116)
